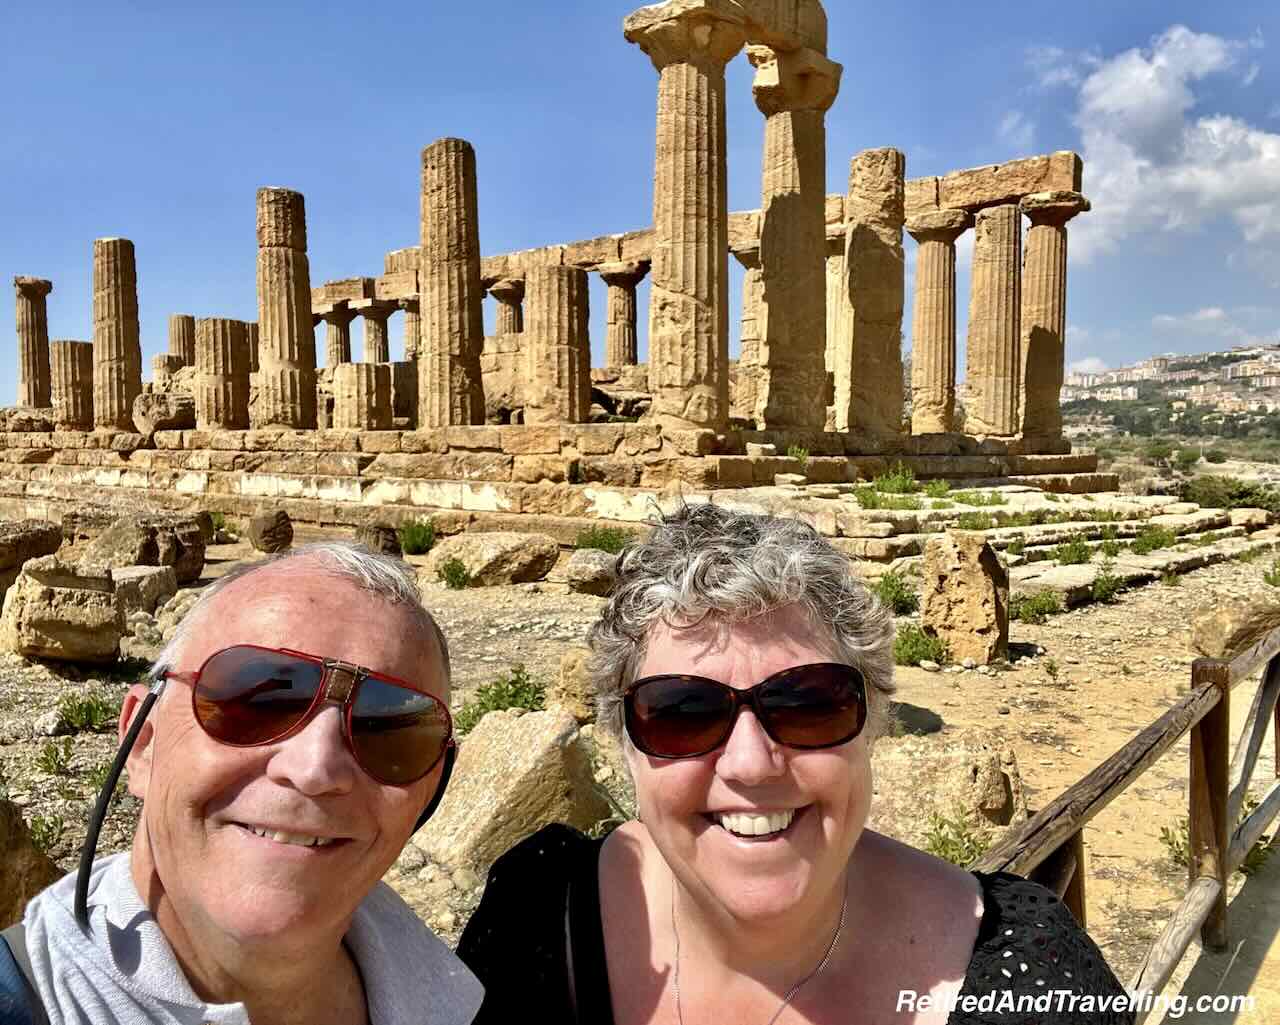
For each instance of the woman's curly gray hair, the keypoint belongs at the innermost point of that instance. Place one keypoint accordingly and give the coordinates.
(708, 561)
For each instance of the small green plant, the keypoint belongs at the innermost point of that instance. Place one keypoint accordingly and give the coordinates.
(1051, 667)
(606, 539)
(1017, 547)
(1215, 455)
(895, 594)
(1150, 538)
(1185, 458)
(46, 831)
(1177, 838)
(93, 712)
(869, 498)
(957, 838)
(936, 488)
(1110, 549)
(1034, 608)
(417, 537)
(515, 690)
(942, 503)
(912, 646)
(800, 454)
(1171, 579)
(899, 480)
(218, 520)
(1249, 555)
(975, 521)
(1125, 670)
(97, 777)
(55, 757)
(980, 499)
(454, 574)
(1272, 576)
(1109, 532)
(1106, 585)
(1075, 552)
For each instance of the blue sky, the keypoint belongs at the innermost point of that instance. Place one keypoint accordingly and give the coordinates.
(159, 124)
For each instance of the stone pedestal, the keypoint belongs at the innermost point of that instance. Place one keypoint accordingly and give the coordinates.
(1044, 314)
(287, 348)
(362, 396)
(993, 363)
(449, 385)
(222, 377)
(33, 341)
(620, 344)
(556, 346)
(933, 321)
(182, 338)
(337, 335)
(508, 293)
(688, 326)
(868, 371)
(793, 90)
(71, 384)
(377, 346)
(117, 349)
(412, 333)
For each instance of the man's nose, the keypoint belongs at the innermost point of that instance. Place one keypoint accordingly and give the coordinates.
(749, 756)
(316, 760)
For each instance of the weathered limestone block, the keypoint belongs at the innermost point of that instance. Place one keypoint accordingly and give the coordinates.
(1224, 628)
(270, 532)
(362, 396)
(993, 363)
(72, 384)
(117, 349)
(573, 690)
(556, 346)
(143, 588)
(996, 185)
(23, 540)
(868, 363)
(27, 869)
(182, 338)
(620, 346)
(965, 596)
(495, 558)
(62, 612)
(164, 411)
(26, 420)
(154, 540)
(222, 363)
(286, 395)
(933, 323)
(163, 369)
(515, 774)
(591, 571)
(33, 341)
(452, 326)
(378, 538)
(400, 260)
(404, 391)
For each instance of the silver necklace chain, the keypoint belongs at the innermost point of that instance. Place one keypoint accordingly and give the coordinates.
(835, 938)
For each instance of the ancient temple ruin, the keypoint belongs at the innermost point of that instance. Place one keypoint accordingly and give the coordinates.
(238, 415)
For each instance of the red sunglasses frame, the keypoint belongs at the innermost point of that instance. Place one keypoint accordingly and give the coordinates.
(339, 685)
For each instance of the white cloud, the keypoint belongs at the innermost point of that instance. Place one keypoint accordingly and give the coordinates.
(1088, 365)
(1251, 75)
(1017, 130)
(1215, 322)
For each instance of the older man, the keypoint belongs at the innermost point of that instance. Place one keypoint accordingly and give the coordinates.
(301, 733)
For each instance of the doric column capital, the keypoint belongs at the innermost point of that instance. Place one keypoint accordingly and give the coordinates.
(1054, 208)
(33, 288)
(624, 273)
(706, 33)
(939, 225)
(339, 314)
(508, 290)
(794, 80)
(409, 304)
(749, 258)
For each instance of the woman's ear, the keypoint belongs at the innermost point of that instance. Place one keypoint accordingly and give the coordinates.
(139, 763)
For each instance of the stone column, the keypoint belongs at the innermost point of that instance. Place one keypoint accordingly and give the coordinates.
(404, 391)
(449, 385)
(508, 293)
(412, 336)
(117, 348)
(362, 396)
(993, 365)
(377, 347)
(222, 378)
(287, 350)
(744, 391)
(71, 384)
(337, 334)
(835, 285)
(688, 306)
(255, 343)
(1044, 313)
(182, 338)
(620, 344)
(164, 367)
(33, 341)
(557, 346)
(793, 90)
(933, 321)
(868, 371)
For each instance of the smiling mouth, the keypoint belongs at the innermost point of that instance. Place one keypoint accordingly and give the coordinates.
(291, 839)
(756, 826)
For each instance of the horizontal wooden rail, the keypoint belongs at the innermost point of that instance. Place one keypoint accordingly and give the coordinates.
(1179, 931)
(1248, 661)
(1251, 829)
(1255, 729)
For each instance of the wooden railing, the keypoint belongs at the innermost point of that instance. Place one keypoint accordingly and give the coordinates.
(1049, 848)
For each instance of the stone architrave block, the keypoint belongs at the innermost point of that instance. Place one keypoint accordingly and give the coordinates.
(996, 184)
(160, 540)
(61, 612)
(964, 599)
(500, 557)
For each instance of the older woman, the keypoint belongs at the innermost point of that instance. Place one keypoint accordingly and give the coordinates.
(748, 673)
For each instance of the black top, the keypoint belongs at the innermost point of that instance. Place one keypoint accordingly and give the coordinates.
(547, 887)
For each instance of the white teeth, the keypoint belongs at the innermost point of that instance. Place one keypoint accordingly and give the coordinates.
(747, 824)
(298, 839)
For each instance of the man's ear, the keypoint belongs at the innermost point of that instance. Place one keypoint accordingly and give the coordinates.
(139, 763)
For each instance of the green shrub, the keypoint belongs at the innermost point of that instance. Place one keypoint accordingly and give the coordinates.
(454, 573)
(936, 488)
(1034, 608)
(1186, 458)
(1215, 455)
(1052, 496)
(894, 593)
(55, 757)
(1075, 552)
(1106, 585)
(417, 537)
(1249, 555)
(1171, 579)
(1156, 452)
(47, 831)
(869, 498)
(1272, 576)
(800, 454)
(1151, 537)
(1212, 491)
(606, 539)
(957, 838)
(900, 480)
(1017, 547)
(912, 646)
(979, 499)
(1110, 549)
(975, 521)
(515, 690)
(1177, 838)
(218, 520)
(942, 503)
(94, 712)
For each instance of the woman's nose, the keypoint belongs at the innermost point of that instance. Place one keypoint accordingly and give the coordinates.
(750, 756)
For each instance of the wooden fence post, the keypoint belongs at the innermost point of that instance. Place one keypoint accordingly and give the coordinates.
(1209, 828)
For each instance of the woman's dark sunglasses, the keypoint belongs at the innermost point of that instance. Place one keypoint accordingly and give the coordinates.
(806, 707)
(247, 696)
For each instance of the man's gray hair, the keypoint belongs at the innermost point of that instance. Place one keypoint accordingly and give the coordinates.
(385, 577)
(708, 562)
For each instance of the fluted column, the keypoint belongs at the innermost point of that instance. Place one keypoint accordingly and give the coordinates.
(688, 307)
(255, 345)
(222, 374)
(556, 346)
(449, 383)
(509, 294)
(362, 396)
(287, 348)
(182, 338)
(835, 283)
(993, 369)
(33, 341)
(377, 346)
(412, 335)
(933, 320)
(71, 384)
(621, 347)
(117, 348)
(868, 361)
(793, 90)
(1044, 313)
(337, 334)
(744, 391)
